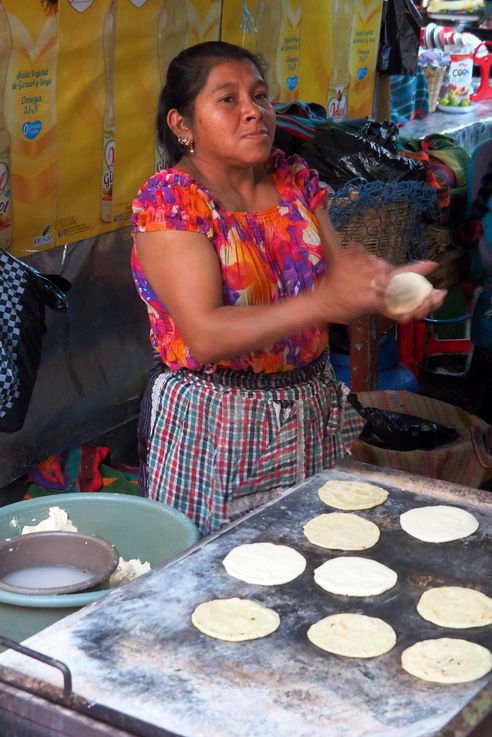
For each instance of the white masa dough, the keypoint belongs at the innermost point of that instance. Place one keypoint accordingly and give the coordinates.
(439, 523)
(354, 576)
(406, 292)
(265, 564)
(56, 521)
(455, 606)
(353, 635)
(127, 570)
(341, 531)
(447, 660)
(351, 495)
(235, 620)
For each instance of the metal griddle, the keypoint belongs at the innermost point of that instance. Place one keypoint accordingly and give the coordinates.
(136, 654)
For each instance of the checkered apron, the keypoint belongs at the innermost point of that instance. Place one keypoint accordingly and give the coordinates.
(13, 281)
(24, 294)
(216, 445)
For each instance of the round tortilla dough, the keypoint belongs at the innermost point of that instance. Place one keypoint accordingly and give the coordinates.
(439, 523)
(353, 635)
(265, 564)
(455, 606)
(235, 620)
(342, 531)
(447, 660)
(354, 576)
(351, 495)
(406, 292)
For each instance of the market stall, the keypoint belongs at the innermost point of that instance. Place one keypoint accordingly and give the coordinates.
(131, 662)
(138, 666)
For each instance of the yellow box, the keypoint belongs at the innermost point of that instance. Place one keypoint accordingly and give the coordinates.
(149, 34)
(85, 111)
(322, 52)
(28, 141)
(364, 47)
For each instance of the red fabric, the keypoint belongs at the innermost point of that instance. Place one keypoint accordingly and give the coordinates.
(471, 231)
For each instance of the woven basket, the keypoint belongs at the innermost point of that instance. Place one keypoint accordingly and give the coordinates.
(452, 259)
(381, 230)
(435, 76)
(438, 241)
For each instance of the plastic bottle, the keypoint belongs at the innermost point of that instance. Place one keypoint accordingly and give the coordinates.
(6, 212)
(172, 24)
(338, 86)
(109, 129)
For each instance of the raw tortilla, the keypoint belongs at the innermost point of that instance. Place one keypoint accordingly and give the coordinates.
(235, 620)
(342, 531)
(354, 576)
(406, 292)
(439, 523)
(351, 495)
(265, 564)
(455, 606)
(447, 660)
(353, 635)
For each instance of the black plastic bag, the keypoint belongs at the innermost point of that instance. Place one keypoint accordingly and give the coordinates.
(400, 35)
(24, 295)
(398, 431)
(341, 154)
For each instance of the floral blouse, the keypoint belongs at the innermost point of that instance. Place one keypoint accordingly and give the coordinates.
(264, 256)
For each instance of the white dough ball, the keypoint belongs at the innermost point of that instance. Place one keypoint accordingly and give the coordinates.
(406, 292)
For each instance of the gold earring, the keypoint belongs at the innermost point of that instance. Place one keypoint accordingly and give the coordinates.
(189, 143)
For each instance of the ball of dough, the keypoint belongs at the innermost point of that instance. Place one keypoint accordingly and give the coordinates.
(406, 292)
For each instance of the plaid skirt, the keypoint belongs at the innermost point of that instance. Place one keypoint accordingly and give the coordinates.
(217, 445)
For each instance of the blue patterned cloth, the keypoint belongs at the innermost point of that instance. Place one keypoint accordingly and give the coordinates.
(409, 97)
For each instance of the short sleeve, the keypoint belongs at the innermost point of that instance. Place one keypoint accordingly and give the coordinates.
(307, 180)
(172, 200)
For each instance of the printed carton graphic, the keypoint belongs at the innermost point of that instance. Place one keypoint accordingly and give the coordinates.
(79, 88)
(323, 52)
(28, 130)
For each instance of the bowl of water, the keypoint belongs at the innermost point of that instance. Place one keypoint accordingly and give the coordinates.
(55, 563)
(138, 528)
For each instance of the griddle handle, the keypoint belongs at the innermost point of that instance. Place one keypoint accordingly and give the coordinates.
(67, 676)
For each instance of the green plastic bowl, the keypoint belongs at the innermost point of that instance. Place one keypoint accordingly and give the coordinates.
(137, 527)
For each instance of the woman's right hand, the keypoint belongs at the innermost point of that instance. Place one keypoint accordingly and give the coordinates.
(354, 284)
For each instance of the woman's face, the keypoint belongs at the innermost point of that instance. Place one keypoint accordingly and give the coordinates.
(233, 118)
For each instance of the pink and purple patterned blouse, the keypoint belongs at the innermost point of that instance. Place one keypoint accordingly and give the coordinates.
(264, 256)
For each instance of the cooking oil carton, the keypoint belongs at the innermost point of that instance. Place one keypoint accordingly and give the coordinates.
(137, 85)
(317, 51)
(180, 24)
(323, 52)
(149, 34)
(271, 28)
(28, 126)
(363, 53)
(6, 211)
(86, 121)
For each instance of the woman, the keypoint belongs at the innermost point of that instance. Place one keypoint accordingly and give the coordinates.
(476, 235)
(241, 271)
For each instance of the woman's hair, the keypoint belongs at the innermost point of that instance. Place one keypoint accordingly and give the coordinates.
(187, 74)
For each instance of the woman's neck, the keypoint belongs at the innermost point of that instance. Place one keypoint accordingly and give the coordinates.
(236, 188)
